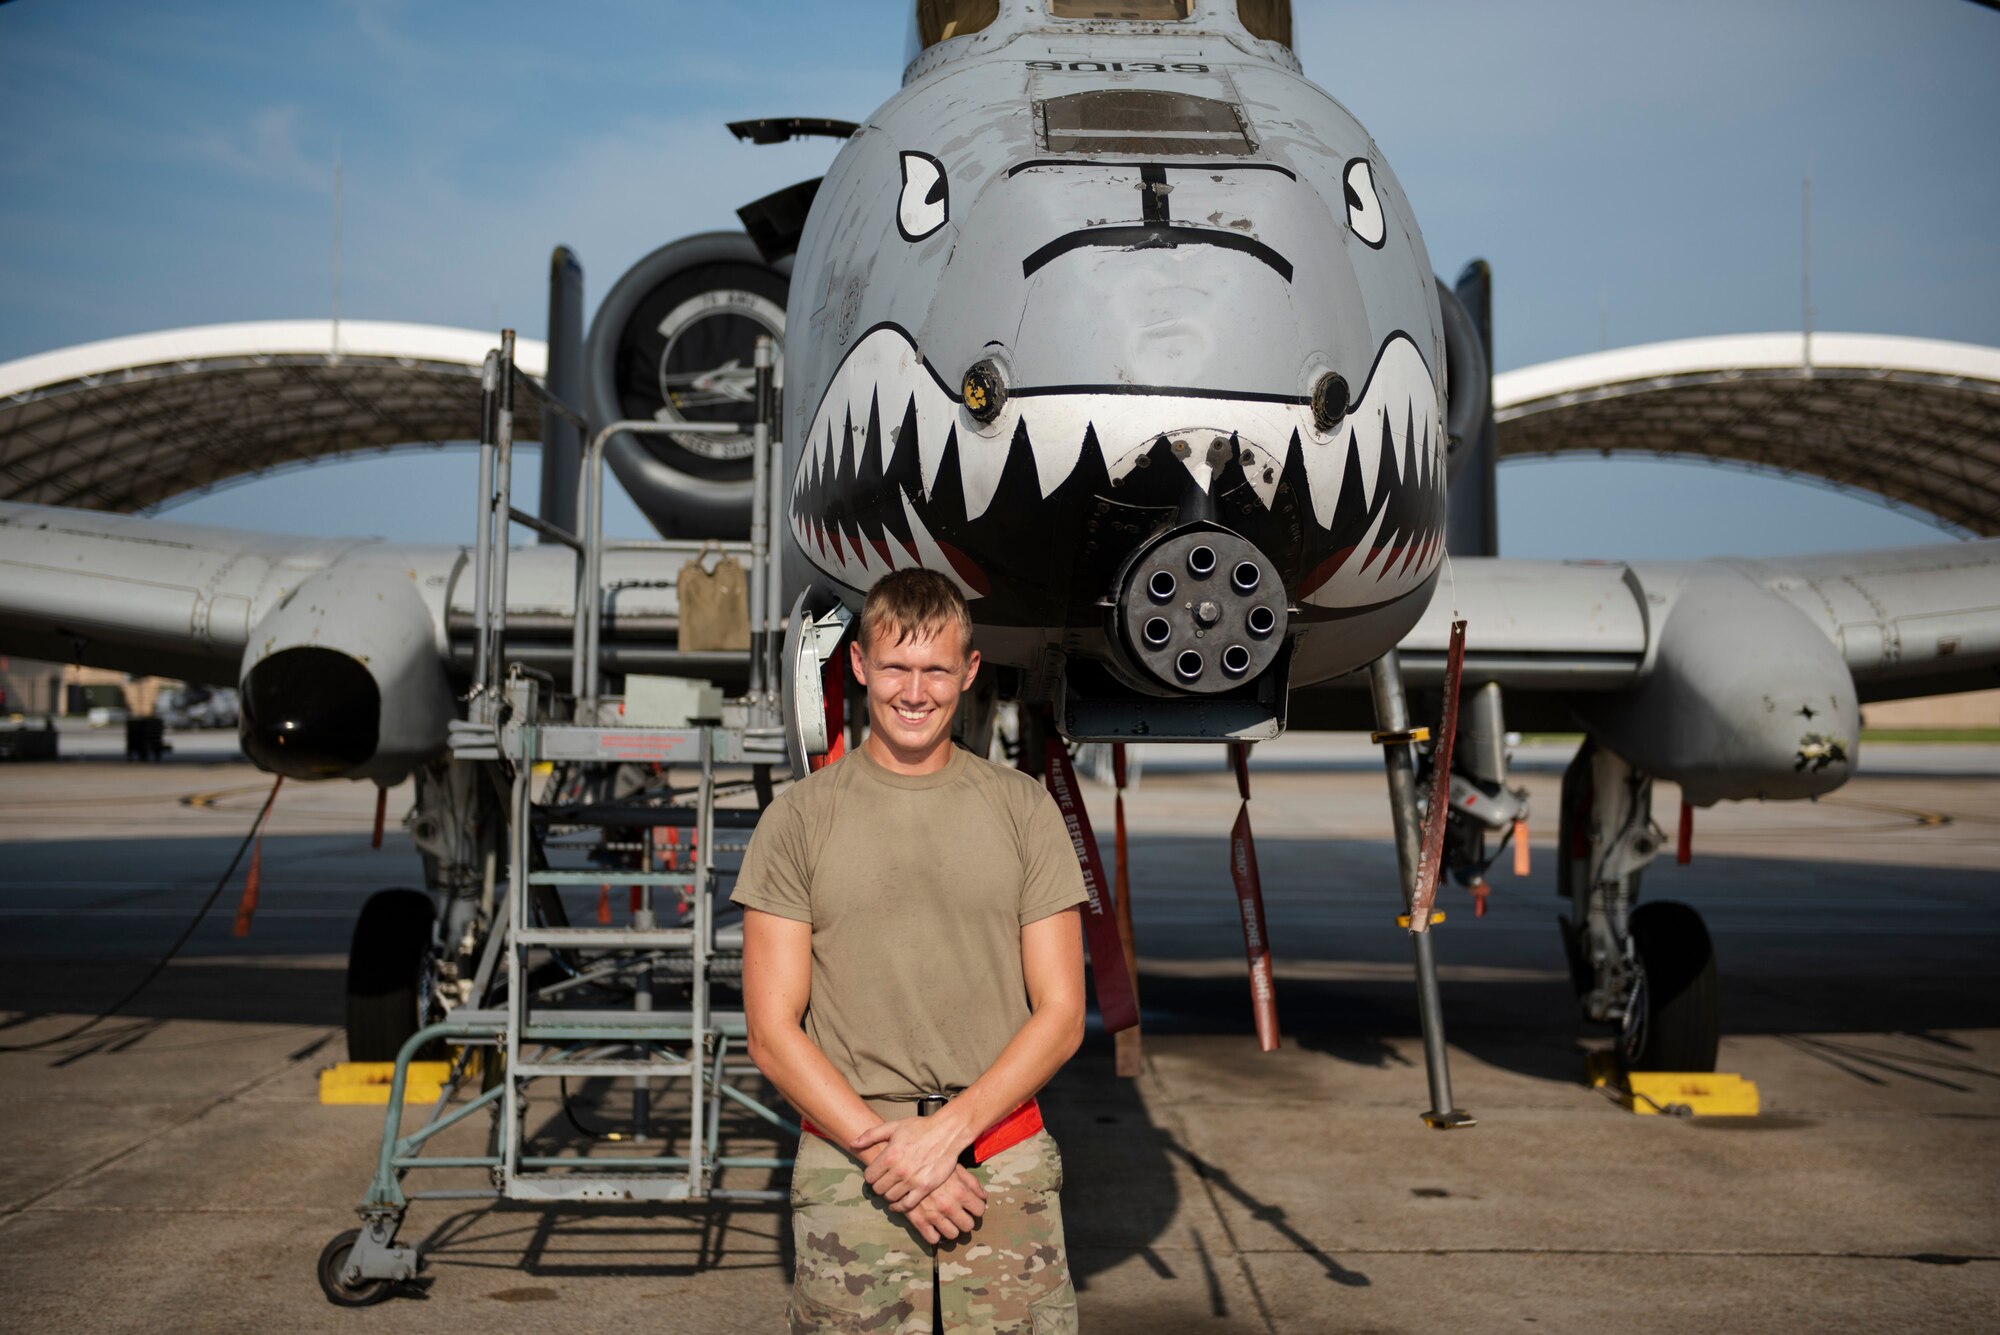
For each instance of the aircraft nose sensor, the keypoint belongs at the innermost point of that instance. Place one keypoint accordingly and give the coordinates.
(1201, 610)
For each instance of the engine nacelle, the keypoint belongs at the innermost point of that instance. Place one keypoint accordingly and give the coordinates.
(1745, 698)
(674, 341)
(345, 680)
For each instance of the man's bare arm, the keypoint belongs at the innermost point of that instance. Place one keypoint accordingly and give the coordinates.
(777, 984)
(918, 1154)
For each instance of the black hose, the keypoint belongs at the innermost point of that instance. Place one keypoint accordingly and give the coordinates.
(173, 950)
(595, 1133)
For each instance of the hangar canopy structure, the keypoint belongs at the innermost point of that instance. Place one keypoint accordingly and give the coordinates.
(1909, 421)
(132, 423)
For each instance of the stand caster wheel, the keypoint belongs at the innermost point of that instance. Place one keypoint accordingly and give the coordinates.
(332, 1281)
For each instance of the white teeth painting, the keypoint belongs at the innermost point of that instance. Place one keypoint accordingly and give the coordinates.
(1392, 437)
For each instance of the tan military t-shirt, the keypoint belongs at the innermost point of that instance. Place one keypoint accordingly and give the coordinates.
(917, 887)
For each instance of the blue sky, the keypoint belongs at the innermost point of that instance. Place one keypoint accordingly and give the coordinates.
(1632, 172)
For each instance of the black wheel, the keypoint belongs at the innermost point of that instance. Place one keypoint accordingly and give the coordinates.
(390, 974)
(1579, 966)
(333, 1260)
(1676, 1020)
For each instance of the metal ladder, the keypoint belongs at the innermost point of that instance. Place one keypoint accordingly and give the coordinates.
(545, 1038)
(534, 1022)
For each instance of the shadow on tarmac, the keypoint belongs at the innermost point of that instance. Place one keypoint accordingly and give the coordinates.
(1808, 952)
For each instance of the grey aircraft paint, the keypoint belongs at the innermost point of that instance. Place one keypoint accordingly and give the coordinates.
(1159, 284)
(1157, 306)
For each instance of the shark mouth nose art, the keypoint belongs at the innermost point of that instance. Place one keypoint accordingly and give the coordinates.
(895, 472)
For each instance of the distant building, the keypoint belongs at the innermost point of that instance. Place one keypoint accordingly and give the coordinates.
(29, 686)
(1973, 709)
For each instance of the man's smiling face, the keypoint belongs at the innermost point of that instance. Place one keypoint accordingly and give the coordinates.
(913, 689)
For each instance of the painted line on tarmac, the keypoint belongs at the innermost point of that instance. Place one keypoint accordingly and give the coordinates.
(14, 1209)
(166, 913)
(214, 796)
(1918, 816)
(185, 886)
(1705, 1253)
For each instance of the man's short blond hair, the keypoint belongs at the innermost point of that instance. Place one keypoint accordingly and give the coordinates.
(914, 604)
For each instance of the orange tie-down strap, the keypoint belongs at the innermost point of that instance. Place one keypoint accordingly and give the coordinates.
(1004, 1134)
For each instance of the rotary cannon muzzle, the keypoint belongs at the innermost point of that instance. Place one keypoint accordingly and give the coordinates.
(1201, 611)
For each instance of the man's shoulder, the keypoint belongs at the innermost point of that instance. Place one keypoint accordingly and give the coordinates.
(1015, 785)
(810, 794)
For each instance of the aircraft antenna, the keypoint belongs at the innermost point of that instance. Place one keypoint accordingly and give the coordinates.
(1805, 274)
(336, 246)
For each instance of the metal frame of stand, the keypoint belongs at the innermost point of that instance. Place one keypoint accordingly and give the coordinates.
(537, 966)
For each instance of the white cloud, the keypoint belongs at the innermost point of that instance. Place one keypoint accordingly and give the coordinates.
(267, 149)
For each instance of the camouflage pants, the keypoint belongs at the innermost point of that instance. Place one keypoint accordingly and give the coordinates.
(862, 1267)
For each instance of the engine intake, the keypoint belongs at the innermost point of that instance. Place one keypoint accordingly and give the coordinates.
(673, 342)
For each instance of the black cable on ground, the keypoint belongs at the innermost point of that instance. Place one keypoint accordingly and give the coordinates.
(160, 965)
(595, 1133)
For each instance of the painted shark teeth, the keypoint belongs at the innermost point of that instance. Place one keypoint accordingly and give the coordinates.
(889, 436)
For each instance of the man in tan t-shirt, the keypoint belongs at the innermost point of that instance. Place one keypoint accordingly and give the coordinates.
(911, 930)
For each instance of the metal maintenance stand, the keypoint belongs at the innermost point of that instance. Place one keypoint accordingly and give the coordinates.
(551, 1003)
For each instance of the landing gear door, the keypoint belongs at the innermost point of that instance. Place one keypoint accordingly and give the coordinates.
(811, 641)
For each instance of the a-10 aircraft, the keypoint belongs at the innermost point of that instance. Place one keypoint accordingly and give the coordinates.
(1119, 322)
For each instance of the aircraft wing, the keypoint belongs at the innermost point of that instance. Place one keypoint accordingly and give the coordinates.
(1907, 621)
(142, 595)
(183, 600)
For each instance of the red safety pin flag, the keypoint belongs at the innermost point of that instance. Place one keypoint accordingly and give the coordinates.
(1250, 905)
(1116, 1003)
(1430, 860)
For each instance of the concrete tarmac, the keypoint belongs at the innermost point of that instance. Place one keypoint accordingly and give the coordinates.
(172, 1169)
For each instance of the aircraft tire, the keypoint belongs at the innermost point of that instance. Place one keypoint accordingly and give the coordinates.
(388, 974)
(1679, 1022)
(1579, 966)
(333, 1260)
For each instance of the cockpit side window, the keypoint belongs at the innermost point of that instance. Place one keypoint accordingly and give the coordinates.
(1267, 20)
(942, 20)
(1131, 11)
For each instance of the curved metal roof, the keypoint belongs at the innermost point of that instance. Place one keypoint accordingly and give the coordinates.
(1910, 421)
(131, 422)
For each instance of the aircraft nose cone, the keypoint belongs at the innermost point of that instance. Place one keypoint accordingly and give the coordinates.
(1229, 277)
(1166, 330)
(1155, 317)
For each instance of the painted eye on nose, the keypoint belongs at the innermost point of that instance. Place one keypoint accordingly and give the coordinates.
(1364, 209)
(924, 205)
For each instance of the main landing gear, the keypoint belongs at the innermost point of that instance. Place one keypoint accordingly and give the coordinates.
(391, 974)
(413, 951)
(1646, 969)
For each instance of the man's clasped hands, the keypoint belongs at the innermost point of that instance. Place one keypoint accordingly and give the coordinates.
(913, 1166)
